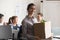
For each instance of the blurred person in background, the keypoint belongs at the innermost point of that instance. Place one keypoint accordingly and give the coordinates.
(1, 19)
(40, 18)
(14, 24)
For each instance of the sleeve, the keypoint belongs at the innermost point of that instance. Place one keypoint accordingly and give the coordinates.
(24, 29)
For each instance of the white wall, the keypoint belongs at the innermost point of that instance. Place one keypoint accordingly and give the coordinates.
(51, 11)
(7, 7)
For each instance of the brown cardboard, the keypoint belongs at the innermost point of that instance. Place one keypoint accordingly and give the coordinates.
(42, 30)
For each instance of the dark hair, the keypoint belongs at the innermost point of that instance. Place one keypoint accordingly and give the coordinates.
(29, 5)
(1, 15)
(13, 17)
(40, 14)
(9, 21)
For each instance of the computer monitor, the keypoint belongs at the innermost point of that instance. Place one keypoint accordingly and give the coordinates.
(5, 32)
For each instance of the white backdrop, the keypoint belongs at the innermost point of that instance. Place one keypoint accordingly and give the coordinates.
(51, 11)
(7, 7)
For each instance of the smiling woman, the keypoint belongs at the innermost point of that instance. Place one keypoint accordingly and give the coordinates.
(28, 22)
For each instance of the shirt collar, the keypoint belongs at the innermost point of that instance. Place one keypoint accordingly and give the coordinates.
(29, 17)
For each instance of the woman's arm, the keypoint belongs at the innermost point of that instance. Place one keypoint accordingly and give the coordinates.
(24, 30)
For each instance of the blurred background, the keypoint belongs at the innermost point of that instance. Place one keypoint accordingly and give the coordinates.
(49, 8)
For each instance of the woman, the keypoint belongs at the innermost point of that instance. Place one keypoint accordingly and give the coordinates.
(14, 24)
(28, 22)
(1, 19)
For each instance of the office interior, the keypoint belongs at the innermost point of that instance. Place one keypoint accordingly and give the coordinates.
(49, 8)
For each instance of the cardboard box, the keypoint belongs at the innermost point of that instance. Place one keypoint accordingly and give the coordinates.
(42, 30)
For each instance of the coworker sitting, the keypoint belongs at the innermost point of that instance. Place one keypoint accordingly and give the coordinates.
(14, 26)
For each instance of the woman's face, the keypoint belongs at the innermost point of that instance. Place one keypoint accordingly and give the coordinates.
(15, 20)
(31, 9)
